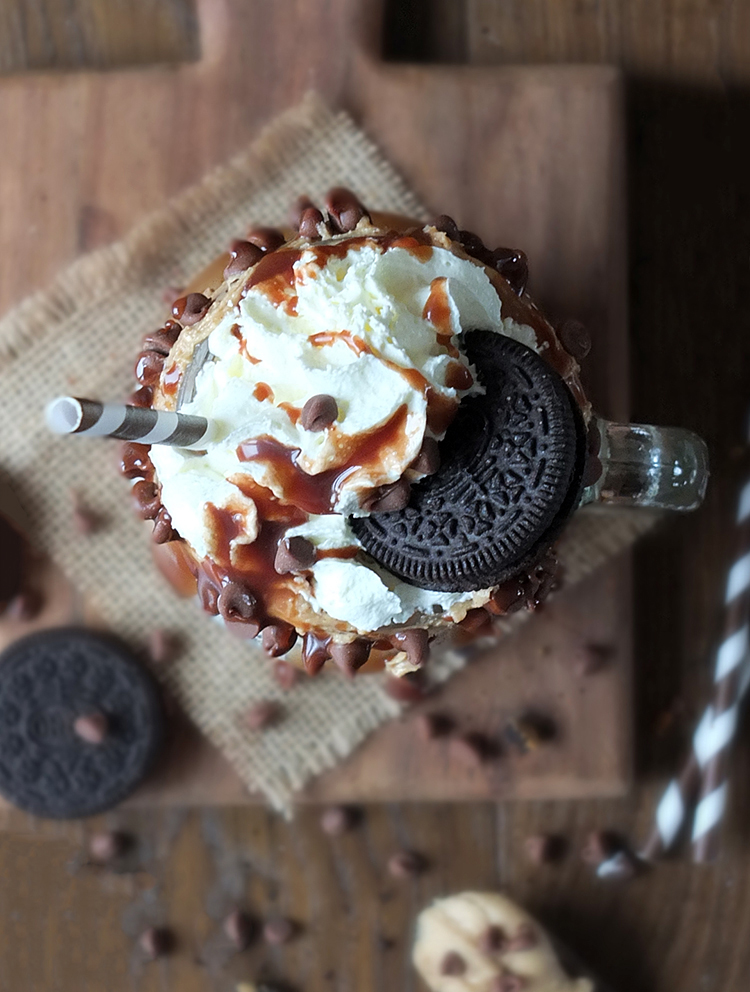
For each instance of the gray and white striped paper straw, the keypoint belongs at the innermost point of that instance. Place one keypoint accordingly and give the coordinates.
(72, 415)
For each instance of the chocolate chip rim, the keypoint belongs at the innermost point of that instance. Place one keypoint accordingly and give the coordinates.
(437, 542)
(48, 678)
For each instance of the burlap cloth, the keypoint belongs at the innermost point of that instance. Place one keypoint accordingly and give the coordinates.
(81, 337)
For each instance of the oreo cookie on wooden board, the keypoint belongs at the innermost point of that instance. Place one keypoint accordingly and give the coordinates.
(81, 723)
(511, 473)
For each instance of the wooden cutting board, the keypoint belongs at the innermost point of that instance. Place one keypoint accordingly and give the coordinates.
(527, 157)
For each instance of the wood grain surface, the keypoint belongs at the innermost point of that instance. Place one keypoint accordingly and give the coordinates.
(66, 926)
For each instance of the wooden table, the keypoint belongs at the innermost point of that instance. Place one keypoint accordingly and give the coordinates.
(67, 926)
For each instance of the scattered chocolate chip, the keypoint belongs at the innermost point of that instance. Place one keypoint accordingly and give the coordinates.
(191, 308)
(447, 225)
(308, 224)
(434, 725)
(319, 412)
(406, 864)
(528, 732)
(591, 658)
(492, 940)
(239, 929)
(475, 620)
(544, 849)
(162, 340)
(106, 846)
(242, 256)
(472, 749)
(146, 497)
(24, 606)
(300, 205)
(507, 598)
(143, 396)
(523, 939)
(415, 643)
(236, 603)
(600, 845)
(263, 714)
(163, 646)
(388, 499)
(92, 727)
(266, 238)
(345, 208)
(163, 531)
(85, 521)
(208, 592)
(574, 338)
(427, 461)
(278, 638)
(351, 656)
(135, 462)
(148, 367)
(285, 676)
(278, 931)
(315, 652)
(337, 820)
(154, 942)
(410, 688)
(294, 554)
(452, 964)
(592, 472)
(473, 245)
(513, 266)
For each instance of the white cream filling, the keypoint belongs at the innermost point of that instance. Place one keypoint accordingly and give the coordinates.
(378, 299)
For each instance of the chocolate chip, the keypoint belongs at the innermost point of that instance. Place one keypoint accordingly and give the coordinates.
(474, 246)
(266, 238)
(162, 340)
(154, 942)
(593, 471)
(522, 735)
(300, 205)
(135, 462)
(285, 676)
(345, 208)
(491, 940)
(337, 820)
(308, 225)
(294, 554)
(434, 725)
(242, 256)
(239, 929)
(416, 644)
(523, 939)
(427, 461)
(208, 592)
(507, 598)
(472, 748)
(475, 620)
(315, 652)
(352, 655)
(163, 646)
(92, 727)
(513, 266)
(262, 714)
(85, 520)
(574, 338)
(278, 638)
(447, 225)
(143, 396)
(163, 531)
(600, 845)
(507, 983)
(319, 412)
(388, 499)
(544, 849)
(191, 308)
(452, 964)
(236, 603)
(148, 367)
(279, 931)
(408, 688)
(406, 864)
(591, 658)
(146, 497)
(107, 845)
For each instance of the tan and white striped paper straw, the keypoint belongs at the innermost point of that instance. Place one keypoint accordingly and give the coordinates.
(73, 415)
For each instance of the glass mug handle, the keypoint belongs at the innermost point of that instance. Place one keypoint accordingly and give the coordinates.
(662, 467)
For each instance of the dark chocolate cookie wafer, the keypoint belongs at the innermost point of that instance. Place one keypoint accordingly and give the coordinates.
(80, 723)
(511, 468)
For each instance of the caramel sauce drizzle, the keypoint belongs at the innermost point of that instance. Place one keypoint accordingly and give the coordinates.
(170, 381)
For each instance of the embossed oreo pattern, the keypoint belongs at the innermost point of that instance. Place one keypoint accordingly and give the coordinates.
(512, 463)
(46, 681)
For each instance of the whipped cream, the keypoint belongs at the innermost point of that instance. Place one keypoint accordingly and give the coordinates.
(377, 328)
